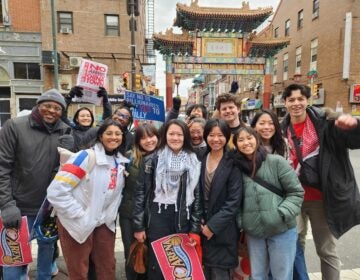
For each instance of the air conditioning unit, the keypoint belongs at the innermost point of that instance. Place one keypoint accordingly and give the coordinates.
(65, 30)
(75, 61)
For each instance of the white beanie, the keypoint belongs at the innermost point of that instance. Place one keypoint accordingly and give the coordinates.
(52, 95)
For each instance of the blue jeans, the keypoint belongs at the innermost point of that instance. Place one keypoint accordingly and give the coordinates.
(275, 253)
(44, 260)
(300, 270)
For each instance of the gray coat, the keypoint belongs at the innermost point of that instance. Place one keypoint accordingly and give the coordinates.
(28, 162)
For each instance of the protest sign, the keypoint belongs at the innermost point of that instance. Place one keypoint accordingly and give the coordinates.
(147, 107)
(14, 245)
(92, 75)
(177, 259)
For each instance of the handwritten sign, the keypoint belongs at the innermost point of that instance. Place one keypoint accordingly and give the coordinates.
(177, 259)
(92, 75)
(14, 245)
(147, 107)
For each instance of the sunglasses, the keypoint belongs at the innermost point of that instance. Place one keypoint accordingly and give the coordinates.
(49, 107)
(123, 116)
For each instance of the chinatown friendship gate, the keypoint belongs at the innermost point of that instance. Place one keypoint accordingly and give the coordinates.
(218, 41)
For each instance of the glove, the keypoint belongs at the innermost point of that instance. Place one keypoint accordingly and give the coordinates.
(76, 91)
(176, 103)
(103, 93)
(11, 217)
(66, 140)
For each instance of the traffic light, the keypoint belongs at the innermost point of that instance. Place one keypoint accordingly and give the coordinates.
(138, 83)
(136, 7)
(125, 80)
(315, 90)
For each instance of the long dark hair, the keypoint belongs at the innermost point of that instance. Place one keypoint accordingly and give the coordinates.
(252, 132)
(76, 116)
(277, 141)
(187, 147)
(144, 129)
(104, 126)
(217, 123)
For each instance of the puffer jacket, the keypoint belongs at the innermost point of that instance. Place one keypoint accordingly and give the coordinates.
(264, 213)
(224, 200)
(340, 191)
(83, 203)
(144, 196)
(28, 162)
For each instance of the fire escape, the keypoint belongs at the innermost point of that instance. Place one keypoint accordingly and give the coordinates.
(149, 42)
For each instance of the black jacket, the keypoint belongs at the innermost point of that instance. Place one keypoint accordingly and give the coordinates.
(28, 162)
(224, 201)
(340, 191)
(144, 196)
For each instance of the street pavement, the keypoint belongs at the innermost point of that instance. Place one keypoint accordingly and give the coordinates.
(348, 249)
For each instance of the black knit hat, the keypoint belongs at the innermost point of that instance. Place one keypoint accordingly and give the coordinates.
(52, 95)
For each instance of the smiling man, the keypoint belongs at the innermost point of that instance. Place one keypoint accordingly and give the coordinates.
(319, 143)
(28, 162)
(228, 106)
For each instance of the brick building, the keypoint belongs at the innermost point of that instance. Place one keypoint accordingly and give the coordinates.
(325, 40)
(20, 56)
(95, 30)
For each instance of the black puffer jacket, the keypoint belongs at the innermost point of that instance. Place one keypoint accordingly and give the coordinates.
(224, 201)
(340, 191)
(28, 162)
(144, 195)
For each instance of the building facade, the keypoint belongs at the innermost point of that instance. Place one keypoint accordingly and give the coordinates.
(323, 51)
(20, 56)
(94, 30)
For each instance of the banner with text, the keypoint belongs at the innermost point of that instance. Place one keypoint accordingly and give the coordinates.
(14, 245)
(147, 107)
(177, 259)
(92, 75)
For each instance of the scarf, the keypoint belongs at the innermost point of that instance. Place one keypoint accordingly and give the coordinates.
(310, 141)
(245, 164)
(169, 171)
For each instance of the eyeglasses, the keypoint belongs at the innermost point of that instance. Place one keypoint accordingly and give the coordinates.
(123, 116)
(49, 107)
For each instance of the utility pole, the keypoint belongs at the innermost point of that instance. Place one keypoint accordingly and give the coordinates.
(132, 29)
(54, 52)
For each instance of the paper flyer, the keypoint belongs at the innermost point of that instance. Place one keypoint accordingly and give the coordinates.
(14, 245)
(92, 75)
(177, 259)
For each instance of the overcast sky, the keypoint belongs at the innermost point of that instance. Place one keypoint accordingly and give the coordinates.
(165, 11)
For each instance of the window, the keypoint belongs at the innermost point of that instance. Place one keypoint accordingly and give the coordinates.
(275, 71)
(300, 19)
(65, 22)
(298, 61)
(112, 25)
(287, 27)
(4, 105)
(276, 32)
(285, 66)
(27, 71)
(316, 4)
(313, 54)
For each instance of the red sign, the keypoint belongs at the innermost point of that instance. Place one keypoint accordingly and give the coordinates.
(14, 245)
(177, 259)
(355, 93)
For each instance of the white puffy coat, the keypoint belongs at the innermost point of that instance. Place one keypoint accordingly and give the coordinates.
(83, 203)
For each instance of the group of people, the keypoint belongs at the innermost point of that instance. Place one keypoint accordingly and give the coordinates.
(211, 178)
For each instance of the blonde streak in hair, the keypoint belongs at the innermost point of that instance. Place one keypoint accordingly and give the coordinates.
(137, 156)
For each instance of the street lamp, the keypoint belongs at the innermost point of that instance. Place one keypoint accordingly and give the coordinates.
(177, 82)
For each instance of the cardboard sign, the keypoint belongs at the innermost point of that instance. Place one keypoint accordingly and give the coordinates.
(14, 245)
(147, 107)
(177, 259)
(92, 75)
